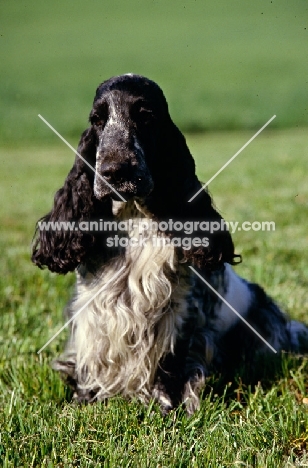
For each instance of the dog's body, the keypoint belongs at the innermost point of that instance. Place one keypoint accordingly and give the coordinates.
(154, 329)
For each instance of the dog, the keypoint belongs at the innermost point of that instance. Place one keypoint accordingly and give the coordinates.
(147, 322)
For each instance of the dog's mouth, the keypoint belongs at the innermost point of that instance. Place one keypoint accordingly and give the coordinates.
(126, 189)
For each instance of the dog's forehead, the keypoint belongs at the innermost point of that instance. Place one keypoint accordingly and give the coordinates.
(118, 104)
(119, 94)
(130, 87)
(124, 98)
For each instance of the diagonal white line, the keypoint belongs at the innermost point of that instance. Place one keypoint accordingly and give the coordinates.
(84, 160)
(80, 310)
(233, 157)
(233, 310)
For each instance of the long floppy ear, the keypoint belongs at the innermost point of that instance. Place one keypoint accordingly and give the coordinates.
(175, 183)
(61, 250)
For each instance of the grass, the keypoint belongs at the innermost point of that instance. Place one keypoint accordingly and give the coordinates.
(238, 425)
(222, 65)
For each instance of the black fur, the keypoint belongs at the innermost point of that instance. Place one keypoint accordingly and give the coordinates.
(137, 152)
(144, 156)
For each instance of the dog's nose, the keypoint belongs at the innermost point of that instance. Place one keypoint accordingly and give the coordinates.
(115, 173)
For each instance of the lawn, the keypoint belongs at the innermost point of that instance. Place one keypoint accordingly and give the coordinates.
(237, 425)
(226, 68)
(222, 64)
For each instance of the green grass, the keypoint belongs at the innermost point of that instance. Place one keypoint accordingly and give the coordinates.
(263, 426)
(222, 64)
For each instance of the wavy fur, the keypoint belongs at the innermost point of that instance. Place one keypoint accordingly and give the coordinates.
(155, 330)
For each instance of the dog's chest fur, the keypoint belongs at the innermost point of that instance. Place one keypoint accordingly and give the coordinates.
(123, 333)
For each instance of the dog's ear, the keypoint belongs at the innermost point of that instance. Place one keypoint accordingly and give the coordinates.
(210, 244)
(175, 185)
(57, 246)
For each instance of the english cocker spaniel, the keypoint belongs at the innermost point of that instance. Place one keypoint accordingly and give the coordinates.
(146, 324)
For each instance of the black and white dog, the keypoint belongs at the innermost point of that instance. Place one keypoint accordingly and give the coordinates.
(150, 327)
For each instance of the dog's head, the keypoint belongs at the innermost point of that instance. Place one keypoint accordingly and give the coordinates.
(128, 115)
(132, 150)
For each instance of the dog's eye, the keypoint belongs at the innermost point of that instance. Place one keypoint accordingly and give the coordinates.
(142, 114)
(99, 116)
(141, 111)
(145, 112)
(97, 120)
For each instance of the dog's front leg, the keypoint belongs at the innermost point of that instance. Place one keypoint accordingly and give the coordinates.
(197, 364)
